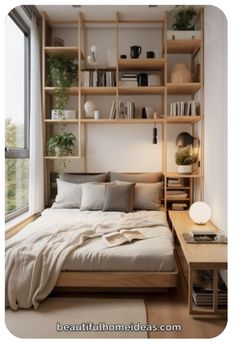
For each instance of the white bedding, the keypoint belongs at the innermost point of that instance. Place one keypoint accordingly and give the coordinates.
(55, 242)
(153, 254)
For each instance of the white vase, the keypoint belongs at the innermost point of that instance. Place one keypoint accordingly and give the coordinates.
(89, 107)
(184, 169)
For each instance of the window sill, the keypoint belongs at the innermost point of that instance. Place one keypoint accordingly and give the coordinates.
(17, 220)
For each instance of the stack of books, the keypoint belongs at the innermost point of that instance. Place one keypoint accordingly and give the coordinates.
(98, 78)
(175, 182)
(128, 80)
(126, 110)
(203, 290)
(183, 108)
(179, 206)
(176, 195)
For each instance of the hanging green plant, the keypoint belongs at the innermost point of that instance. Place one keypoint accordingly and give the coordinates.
(62, 73)
(61, 144)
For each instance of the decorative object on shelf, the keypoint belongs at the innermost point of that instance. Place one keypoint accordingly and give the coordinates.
(184, 139)
(149, 112)
(184, 159)
(123, 57)
(58, 41)
(92, 58)
(183, 16)
(181, 74)
(96, 114)
(135, 51)
(200, 212)
(183, 35)
(111, 58)
(144, 113)
(61, 144)
(154, 80)
(89, 108)
(154, 134)
(150, 54)
(142, 79)
(67, 114)
(62, 74)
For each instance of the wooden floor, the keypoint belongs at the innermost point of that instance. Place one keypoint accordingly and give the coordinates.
(167, 308)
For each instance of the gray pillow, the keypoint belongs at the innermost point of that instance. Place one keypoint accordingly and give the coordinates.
(68, 195)
(139, 177)
(147, 196)
(84, 178)
(93, 196)
(119, 197)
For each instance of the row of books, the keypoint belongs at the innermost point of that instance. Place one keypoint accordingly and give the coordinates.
(176, 206)
(125, 111)
(98, 78)
(176, 195)
(203, 289)
(175, 182)
(128, 80)
(183, 108)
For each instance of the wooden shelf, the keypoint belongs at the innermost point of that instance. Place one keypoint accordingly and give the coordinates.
(177, 175)
(142, 64)
(183, 119)
(68, 51)
(180, 46)
(122, 121)
(61, 121)
(98, 90)
(178, 187)
(183, 88)
(141, 90)
(175, 199)
(62, 157)
(72, 90)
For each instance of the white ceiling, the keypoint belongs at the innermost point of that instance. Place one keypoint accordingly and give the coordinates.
(67, 12)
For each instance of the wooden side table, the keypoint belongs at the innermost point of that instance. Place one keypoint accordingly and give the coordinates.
(211, 257)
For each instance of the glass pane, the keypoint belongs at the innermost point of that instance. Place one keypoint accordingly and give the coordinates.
(17, 184)
(15, 84)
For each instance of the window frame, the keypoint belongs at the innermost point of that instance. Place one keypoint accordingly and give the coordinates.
(22, 153)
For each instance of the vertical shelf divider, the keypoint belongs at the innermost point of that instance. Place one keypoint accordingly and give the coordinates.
(117, 63)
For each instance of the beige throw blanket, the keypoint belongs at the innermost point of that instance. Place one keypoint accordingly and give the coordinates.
(33, 263)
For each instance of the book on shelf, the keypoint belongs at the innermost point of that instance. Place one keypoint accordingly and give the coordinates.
(116, 238)
(179, 206)
(126, 110)
(183, 108)
(176, 195)
(128, 80)
(98, 78)
(203, 289)
(175, 182)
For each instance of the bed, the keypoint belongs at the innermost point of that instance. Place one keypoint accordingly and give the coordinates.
(80, 256)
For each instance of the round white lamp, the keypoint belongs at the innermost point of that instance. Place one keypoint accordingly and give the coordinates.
(200, 212)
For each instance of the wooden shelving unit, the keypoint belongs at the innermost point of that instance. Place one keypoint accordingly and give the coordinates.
(156, 65)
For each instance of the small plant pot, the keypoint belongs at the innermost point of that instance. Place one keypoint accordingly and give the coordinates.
(184, 169)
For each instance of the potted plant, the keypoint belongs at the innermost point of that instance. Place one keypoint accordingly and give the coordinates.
(184, 160)
(183, 24)
(61, 144)
(62, 74)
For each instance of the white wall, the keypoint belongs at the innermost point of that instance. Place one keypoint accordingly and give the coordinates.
(216, 114)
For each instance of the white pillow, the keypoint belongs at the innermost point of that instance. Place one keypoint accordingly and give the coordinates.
(93, 196)
(68, 195)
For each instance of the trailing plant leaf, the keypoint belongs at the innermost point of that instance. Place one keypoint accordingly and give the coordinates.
(183, 17)
(61, 144)
(184, 157)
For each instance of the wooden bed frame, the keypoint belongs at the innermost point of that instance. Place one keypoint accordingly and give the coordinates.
(121, 280)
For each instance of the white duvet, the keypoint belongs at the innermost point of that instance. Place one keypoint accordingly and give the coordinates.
(59, 239)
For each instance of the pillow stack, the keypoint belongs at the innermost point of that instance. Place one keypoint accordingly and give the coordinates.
(126, 192)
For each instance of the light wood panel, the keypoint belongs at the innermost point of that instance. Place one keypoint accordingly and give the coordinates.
(69, 51)
(177, 175)
(71, 90)
(154, 64)
(183, 119)
(118, 279)
(141, 90)
(98, 90)
(62, 157)
(121, 121)
(179, 46)
(183, 88)
(61, 121)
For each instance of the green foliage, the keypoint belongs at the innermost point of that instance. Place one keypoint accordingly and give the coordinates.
(62, 74)
(184, 157)
(61, 144)
(16, 171)
(183, 16)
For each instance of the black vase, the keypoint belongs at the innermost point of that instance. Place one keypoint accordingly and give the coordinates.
(135, 51)
(142, 79)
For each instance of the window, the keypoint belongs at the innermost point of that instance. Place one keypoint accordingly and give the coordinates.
(16, 116)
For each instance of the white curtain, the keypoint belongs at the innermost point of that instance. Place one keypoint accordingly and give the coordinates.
(36, 174)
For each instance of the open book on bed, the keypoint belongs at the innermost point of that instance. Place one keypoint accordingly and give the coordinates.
(116, 238)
